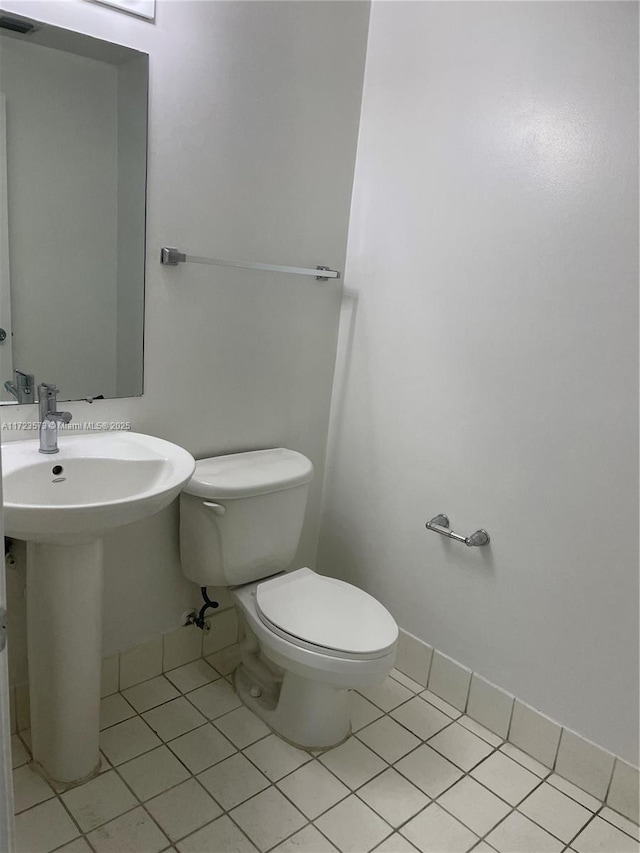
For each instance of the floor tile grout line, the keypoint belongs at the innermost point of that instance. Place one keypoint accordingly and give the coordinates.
(408, 677)
(170, 788)
(572, 796)
(34, 805)
(511, 806)
(138, 799)
(400, 723)
(85, 833)
(214, 722)
(71, 815)
(240, 829)
(403, 823)
(192, 775)
(323, 834)
(207, 720)
(354, 791)
(443, 755)
(168, 743)
(211, 719)
(467, 717)
(480, 835)
(515, 809)
(393, 828)
(271, 784)
(287, 838)
(375, 776)
(121, 689)
(148, 813)
(606, 806)
(511, 711)
(351, 791)
(316, 758)
(582, 829)
(306, 764)
(163, 704)
(138, 755)
(405, 702)
(141, 803)
(276, 783)
(198, 828)
(547, 778)
(228, 812)
(166, 701)
(54, 796)
(426, 743)
(592, 815)
(540, 782)
(68, 810)
(435, 800)
(113, 725)
(550, 770)
(385, 714)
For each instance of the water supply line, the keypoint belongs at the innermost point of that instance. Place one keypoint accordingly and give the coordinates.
(198, 619)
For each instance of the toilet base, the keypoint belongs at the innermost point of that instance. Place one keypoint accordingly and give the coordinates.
(307, 714)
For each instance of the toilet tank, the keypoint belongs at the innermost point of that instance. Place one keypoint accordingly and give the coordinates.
(241, 516)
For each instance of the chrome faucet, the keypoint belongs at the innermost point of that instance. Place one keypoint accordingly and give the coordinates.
(22, 388)
(49, 418)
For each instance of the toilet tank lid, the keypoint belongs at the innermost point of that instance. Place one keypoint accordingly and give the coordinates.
(243, 475)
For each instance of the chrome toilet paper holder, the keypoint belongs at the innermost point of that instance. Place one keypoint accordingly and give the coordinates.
(440, 524)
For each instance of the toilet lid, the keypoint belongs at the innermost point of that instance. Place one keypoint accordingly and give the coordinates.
(326, 612)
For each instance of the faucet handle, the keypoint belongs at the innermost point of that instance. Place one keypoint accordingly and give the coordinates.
(46, 399)
(22, 386)
(46, 389)
(59, 417)
(23, 378)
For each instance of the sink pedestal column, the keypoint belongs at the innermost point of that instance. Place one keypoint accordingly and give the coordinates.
(64, 636)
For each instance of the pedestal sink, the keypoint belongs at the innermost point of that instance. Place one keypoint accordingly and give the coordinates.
(62, 505)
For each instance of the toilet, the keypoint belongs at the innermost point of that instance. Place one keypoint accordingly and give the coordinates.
(306, 639)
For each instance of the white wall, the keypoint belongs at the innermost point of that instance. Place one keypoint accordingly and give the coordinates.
(488, 362)
(253, 123)
(61, 113)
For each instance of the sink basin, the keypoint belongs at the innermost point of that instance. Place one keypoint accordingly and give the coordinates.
(62, 504)
(106, 480)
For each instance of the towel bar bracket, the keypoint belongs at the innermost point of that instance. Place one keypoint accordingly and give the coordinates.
(172, 257)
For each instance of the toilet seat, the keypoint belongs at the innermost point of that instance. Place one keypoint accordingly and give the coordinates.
(326, 614)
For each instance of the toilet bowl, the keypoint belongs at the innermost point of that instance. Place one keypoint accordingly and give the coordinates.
(306, 639)
(325, 637)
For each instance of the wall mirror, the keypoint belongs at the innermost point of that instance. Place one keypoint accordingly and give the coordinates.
(73, 153)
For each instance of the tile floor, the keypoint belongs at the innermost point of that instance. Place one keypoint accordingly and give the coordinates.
(187, 768)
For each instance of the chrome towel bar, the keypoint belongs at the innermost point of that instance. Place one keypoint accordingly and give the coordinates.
(440, 524)
(173, 257)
